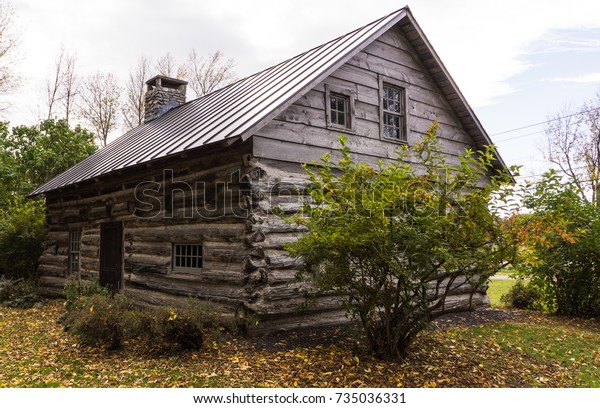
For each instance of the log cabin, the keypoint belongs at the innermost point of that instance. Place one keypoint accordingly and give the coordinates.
(183, 205)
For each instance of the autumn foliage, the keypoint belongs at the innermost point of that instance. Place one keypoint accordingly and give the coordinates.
(394, 240)
(559, 236)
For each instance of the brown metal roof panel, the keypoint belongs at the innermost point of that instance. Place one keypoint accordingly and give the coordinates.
(236, 109)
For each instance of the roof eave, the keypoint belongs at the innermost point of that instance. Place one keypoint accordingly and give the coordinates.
(482, 138)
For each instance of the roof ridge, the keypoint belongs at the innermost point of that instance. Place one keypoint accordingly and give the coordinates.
(301, 54)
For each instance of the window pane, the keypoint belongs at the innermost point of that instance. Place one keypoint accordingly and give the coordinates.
(393, 112)
(187, 256)
(338, 110)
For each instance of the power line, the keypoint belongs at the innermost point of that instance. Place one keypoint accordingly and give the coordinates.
(544, 122)
(541, 174)
(520, 136)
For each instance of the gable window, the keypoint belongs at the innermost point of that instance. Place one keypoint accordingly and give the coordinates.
(393, 113)
(74, 250)
(187, 257)
(339, 106)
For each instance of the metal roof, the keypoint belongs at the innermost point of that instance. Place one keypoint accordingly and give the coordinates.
(243, 107)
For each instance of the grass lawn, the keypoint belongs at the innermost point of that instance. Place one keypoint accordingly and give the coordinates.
(497, 288)
(535, 351)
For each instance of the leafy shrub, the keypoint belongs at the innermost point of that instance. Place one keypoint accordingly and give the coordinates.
(185, 325)
(561, 247)
(22, 231)
(102, 321)
(18, 293)
(522, 296)
(390, 239)
(78, 288)
(8, 289)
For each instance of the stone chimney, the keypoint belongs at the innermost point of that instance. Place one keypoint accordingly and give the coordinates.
(162, 95)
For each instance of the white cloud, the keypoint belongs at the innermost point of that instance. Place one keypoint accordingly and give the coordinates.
(482, 44)
(593, 77)
(485, 44)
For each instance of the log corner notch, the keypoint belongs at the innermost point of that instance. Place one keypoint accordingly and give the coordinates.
(272, 292)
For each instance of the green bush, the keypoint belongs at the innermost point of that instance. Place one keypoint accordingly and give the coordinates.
(22, 231)
(78, 288)
(185, 325)
(522, 296)
(18, 293)
(102, 321)
(390, 239)
(561, 247)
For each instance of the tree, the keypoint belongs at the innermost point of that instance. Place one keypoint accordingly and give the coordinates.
(559, 236)
(9, 80)
(167, 66)
(70, 88)
(208, 74)
(573, 145)
(204, 75)
(100, 102)
(135, 91)
(393, 241)
(29, 156)
(61, 86)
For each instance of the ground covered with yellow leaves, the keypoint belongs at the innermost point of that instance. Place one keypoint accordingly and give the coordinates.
(532, 351)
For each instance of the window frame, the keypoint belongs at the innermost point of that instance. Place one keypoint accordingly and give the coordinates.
(350, 97)
(74, 266)
(187, 269)
(403, 114)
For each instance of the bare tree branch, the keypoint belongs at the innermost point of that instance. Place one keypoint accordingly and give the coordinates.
(9, 80)
(135, 91)
(70, 88)
(54, 83)
(573, 144)
(100, 104)
(166, 66)
(61, 86)
(208, 74)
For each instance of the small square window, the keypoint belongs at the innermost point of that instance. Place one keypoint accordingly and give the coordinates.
(187, 257)
(339, 107)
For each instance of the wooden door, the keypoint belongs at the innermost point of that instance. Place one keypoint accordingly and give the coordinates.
(111, 255)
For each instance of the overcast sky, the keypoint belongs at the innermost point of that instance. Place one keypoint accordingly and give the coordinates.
(516, 61)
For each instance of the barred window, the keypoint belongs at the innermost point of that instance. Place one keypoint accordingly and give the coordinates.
(74, 250)
(187, 257)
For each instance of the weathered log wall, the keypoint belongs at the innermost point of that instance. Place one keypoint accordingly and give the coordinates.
(187, 200)
(280, 301)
